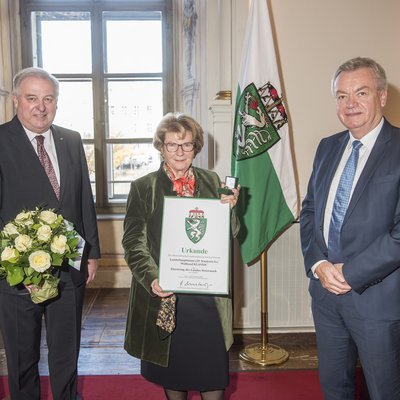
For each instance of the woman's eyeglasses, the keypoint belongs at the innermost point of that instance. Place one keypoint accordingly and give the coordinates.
(172, 147)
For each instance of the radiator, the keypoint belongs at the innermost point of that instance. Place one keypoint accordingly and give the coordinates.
(288, 298)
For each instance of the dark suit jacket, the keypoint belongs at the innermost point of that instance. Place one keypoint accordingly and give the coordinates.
(25, 185)
(370, 237)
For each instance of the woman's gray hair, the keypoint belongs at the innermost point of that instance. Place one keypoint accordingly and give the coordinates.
(34, 72)
(362, 62)
(179, 123)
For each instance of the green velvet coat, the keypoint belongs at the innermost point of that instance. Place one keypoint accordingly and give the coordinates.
(141, 242)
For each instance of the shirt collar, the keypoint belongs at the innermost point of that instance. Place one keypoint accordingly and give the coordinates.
(31, 135)
(369, 139)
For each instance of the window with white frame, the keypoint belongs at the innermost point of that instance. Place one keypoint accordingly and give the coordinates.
(114, 63)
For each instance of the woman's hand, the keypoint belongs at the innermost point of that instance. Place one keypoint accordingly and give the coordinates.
(157, 290)
(230, 198)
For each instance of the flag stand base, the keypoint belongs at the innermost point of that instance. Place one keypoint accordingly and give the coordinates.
(264, 355)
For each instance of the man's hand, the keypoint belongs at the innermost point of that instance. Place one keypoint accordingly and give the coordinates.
(92, 269)
(332, 278)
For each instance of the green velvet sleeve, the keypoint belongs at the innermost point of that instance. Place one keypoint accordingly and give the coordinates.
(134, 240)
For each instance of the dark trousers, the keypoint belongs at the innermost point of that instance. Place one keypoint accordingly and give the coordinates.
(21, 326)
(364, 394)
(342, 335)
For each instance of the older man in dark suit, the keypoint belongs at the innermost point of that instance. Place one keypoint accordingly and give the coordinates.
(350, 232)
(60, 183)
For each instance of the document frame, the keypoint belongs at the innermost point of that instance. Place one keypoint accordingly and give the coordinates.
(195, 246)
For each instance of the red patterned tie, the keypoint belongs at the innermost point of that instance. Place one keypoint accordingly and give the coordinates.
(47, 165)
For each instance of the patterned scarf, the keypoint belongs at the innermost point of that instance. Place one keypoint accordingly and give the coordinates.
(184, 187)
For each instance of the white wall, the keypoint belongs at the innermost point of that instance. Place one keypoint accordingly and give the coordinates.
(313, 38)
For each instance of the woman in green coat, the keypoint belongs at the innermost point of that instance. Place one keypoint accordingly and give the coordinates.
(193, 353)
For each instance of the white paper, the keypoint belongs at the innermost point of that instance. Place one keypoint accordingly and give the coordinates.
(195, 246)
(76, 262)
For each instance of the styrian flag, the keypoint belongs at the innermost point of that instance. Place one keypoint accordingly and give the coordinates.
(261, 153)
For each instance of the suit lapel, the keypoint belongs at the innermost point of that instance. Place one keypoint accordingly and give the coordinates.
(61, 157)
(20, 137)
(29, 156)
(374, 160)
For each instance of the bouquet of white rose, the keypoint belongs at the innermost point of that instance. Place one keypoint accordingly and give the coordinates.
(32, 246)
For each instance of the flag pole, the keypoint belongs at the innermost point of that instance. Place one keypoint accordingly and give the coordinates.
(264, 353)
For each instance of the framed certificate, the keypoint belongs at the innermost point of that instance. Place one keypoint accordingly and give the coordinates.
(195, 246)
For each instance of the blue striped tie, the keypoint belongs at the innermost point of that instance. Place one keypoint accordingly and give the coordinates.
(341, 202)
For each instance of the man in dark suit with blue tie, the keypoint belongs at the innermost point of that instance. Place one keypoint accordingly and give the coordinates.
(350, 235)
(44, 165)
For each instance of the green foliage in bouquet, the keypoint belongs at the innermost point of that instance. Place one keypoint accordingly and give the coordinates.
(32, 246)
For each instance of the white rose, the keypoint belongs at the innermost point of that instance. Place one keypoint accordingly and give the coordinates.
(23, 243)
(44, 233)
(24, 218)
(9, 254)
(40, 261)
(48, 217)
(10, 229)
(59, 244)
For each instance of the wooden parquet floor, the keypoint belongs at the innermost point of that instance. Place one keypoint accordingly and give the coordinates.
(103, 329)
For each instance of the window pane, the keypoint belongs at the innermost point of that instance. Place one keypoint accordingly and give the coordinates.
(89, 152)
(134, 108)
(62, 41)
(133, 42)
(75, 107)
(128, 162)
(114, 67)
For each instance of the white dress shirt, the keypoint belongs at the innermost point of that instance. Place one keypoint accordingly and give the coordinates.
(49, 146)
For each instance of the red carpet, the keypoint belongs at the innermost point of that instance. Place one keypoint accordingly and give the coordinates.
(271, 385)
